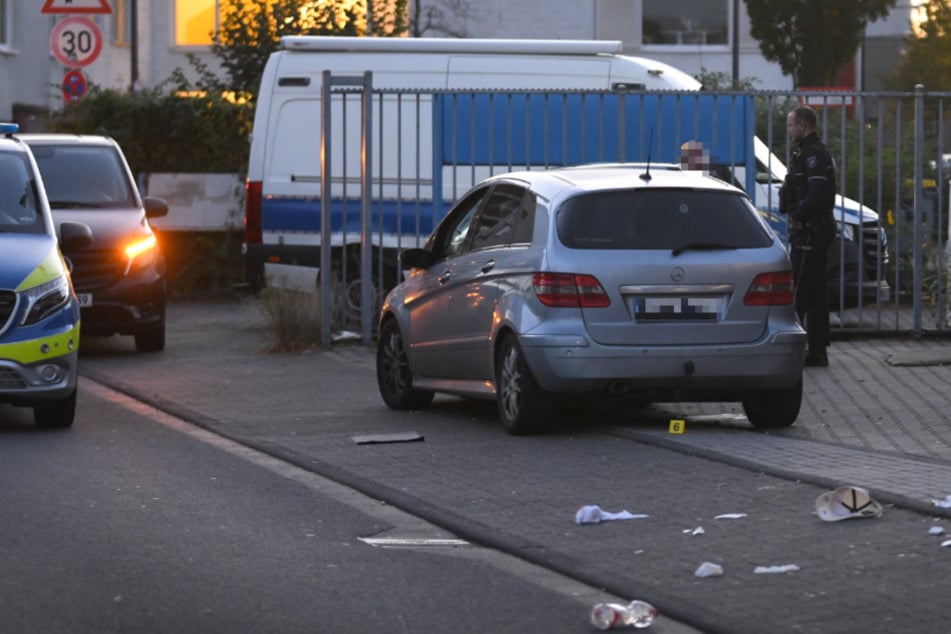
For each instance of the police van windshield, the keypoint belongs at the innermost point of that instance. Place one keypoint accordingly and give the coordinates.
(84, 177)
(19, 206)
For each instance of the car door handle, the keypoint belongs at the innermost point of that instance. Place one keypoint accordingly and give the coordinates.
(488, 266)
(445, 276)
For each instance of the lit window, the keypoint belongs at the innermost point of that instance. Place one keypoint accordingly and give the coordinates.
(195, 21)
(685, 22)
(121, 22)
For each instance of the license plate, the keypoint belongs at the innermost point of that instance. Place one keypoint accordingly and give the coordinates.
(85, 299)
(677, 308)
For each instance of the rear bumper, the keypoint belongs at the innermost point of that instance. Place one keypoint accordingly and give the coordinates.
(575, 364)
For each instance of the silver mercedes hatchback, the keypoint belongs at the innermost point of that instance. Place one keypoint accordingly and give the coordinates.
(634, 281)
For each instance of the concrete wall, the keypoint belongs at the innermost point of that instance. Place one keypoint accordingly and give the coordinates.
(197, 202)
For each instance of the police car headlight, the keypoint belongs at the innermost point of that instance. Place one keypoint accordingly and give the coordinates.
(45, 299)
(846, 231)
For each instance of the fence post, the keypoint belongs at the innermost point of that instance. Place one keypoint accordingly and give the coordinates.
(918, 200)
(366, 247)
(365, 84)
(326, 301)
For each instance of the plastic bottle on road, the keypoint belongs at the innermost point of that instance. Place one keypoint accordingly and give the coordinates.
(637, 614)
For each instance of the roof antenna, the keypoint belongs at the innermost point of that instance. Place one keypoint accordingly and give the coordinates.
(646, 176)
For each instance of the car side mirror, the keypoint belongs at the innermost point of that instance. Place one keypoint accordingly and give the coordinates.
(416, 258)
(155, 207)
(74, 236)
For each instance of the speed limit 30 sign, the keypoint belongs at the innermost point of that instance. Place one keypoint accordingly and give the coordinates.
(76, 41)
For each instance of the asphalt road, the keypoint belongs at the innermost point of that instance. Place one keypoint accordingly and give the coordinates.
(132, 521)
(519, 495)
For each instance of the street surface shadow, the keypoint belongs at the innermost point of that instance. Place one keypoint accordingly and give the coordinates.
(18, 420)
(111, 346)
(579, 415)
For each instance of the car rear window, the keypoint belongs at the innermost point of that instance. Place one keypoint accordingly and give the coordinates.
(659, 219)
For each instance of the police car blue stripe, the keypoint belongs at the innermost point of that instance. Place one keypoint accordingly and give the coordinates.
(21, 253)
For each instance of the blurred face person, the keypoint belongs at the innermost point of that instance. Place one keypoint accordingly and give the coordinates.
(796, 128)
(693, 156)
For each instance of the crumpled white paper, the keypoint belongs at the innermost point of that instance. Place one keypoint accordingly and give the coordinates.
(775, 569)
(943, 504)
(592, 514)
(936, 530)
(709, 569)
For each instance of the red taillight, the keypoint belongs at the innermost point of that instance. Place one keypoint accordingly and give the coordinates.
(252, 212)
(569, 290)
(771, 289)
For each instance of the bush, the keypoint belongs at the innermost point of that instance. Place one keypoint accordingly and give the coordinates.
(200, 262)
(162, 130)
(293, 319)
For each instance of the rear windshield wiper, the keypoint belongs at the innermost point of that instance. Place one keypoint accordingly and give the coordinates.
(704, 246)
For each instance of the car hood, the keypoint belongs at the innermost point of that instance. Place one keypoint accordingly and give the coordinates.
(111, 228)
(28, 258)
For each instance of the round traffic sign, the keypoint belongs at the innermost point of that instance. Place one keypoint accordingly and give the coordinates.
(74, 86)
(76, 41)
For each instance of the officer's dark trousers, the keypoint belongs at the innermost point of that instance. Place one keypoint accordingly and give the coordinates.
(812, 294)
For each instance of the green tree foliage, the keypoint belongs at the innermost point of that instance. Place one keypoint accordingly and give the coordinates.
(719, 80)
(160, 130)
(927, 56)
(812, 39)
(252, 29)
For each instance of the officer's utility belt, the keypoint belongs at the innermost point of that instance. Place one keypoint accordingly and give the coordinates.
(819, 223)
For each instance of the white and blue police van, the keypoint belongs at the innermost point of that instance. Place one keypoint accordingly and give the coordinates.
(446, 113)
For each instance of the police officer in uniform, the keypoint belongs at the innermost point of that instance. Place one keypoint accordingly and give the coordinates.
(808, 197)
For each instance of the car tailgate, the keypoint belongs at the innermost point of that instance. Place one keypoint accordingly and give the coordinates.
(690, 299)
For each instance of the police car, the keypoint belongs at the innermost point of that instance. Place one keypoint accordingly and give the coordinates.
(39, 312)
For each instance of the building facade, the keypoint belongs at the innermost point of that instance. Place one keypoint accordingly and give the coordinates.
(31, 76)
(694, 35)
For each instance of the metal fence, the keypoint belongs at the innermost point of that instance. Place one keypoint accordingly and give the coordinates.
(409, 155)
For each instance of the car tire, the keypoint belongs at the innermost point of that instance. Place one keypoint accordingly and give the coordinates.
(524, 407)
(152, 340)
(56, 414)
(768, 409)
(393, 374)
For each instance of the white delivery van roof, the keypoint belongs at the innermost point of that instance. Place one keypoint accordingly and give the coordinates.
(480, 64)
(448, 45)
